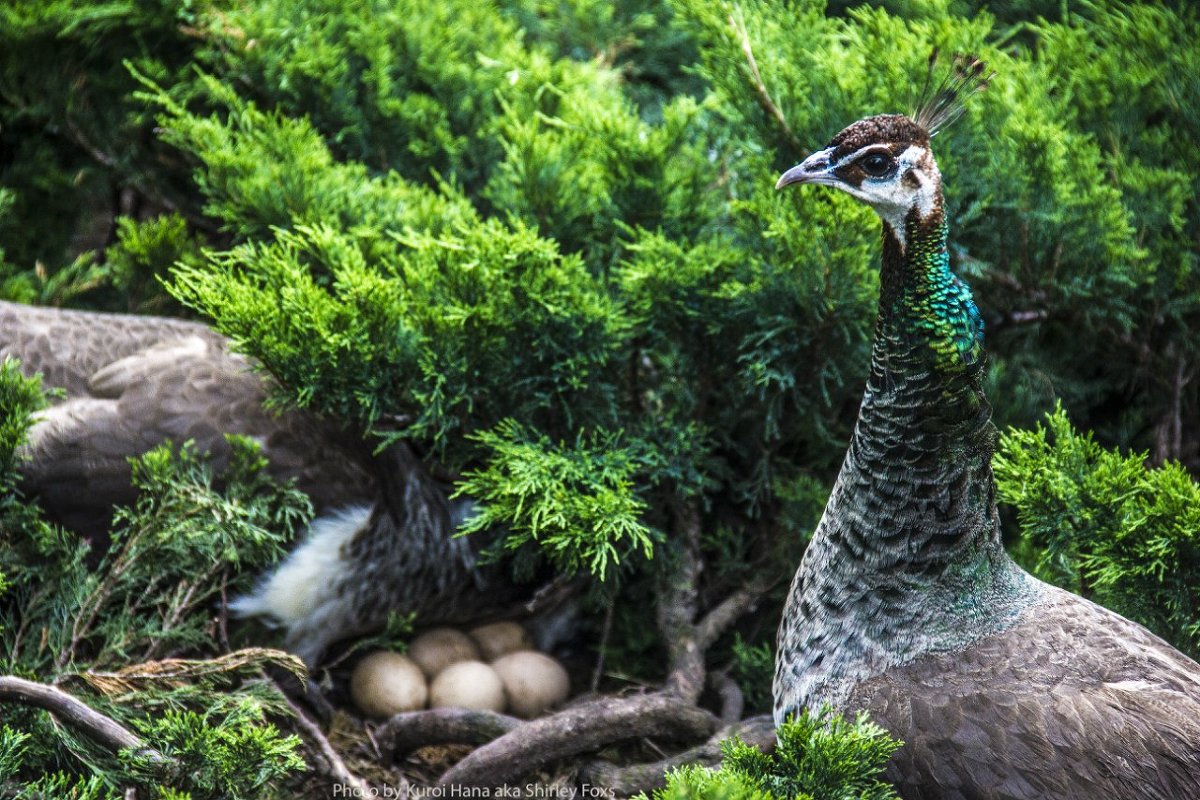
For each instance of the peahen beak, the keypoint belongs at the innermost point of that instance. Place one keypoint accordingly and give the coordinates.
(817, 168)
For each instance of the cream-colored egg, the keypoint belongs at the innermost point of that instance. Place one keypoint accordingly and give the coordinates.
(534, 682)
(467, 684)
(386, 683)
(437, 649)
(499, 638)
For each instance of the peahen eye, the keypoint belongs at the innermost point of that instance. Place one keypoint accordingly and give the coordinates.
(876, 164)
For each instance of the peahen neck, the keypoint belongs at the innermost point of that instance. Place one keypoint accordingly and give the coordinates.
(924, 438)
(907, 558)
(923, 304)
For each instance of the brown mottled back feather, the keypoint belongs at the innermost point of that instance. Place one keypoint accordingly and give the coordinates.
(133, 382)
(1072, 703)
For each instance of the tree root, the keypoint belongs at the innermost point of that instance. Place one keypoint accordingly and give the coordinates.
(580, 729)
(627, 781)
(78, 715)
(405, 732)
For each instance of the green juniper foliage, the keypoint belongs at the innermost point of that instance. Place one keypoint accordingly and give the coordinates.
(819, 756)
(137, 264)
(753, 666)
(75, 145)
(133, 636)
(574, 502)
(166, 558)
(1101, 524)
(19, 398)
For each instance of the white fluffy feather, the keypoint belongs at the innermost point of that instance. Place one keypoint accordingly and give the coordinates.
(305, 579)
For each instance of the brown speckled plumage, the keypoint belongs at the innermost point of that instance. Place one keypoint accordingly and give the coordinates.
(1072, 703)
(894, 130)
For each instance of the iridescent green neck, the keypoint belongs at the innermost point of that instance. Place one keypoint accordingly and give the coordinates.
(907, 559)
(925, 422)
(921, 300)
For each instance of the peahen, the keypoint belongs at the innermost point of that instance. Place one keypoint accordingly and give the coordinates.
(905, 603)
(384, 541)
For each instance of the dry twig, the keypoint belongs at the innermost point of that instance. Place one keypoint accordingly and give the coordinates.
(336, 768)
(733, 702)
(176, 671)
(760, 89)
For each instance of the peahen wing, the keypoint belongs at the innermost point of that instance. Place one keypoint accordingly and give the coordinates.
(1017, 717)
(132, 383)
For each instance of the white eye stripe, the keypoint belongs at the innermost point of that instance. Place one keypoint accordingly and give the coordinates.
(911, 155)
(891, 195)
(863, 152)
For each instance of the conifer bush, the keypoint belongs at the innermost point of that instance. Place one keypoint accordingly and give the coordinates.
(134, 633)
(539, 242)
(1101, 524)
(820, 756)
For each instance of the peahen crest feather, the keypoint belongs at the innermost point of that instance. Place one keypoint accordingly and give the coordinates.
(943, 101)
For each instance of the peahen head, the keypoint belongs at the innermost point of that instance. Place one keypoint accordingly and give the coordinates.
(886, 161)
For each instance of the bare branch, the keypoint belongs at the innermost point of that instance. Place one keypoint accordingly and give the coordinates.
(725, 613)
(630, 780)
(1026, 317)
(733, 702)
(78, 715)
(223, 614)
(1168, 434)
(677, 609)
(761, 94)
(82, 140)
(602, 645)
(552, 595)
(413, 729)
(337, 768)
(583, 728)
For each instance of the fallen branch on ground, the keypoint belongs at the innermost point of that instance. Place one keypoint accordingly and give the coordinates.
(579, 729)
(78, 715)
